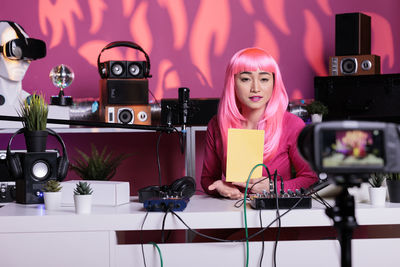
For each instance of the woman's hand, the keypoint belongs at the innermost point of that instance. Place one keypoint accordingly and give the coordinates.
(256, 185)
(226, 189)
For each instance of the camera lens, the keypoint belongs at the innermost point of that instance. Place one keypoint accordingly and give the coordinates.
(134, 69)
(125, 116)
(117, 69)
(349, 66)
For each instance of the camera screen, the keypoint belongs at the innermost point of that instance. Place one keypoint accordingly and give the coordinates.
(352, 148)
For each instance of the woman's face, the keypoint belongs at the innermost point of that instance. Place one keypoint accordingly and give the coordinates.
(254, 89)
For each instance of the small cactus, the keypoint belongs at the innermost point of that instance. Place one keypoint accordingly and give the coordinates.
(83, 188)
(52, 186)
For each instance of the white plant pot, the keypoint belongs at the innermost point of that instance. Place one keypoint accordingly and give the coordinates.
(316, 118)
(83, 204)
(52, 200)
(377, 196)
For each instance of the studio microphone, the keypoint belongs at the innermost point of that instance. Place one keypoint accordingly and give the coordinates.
(183, 103)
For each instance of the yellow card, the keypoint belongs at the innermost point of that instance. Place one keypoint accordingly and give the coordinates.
(245, 150)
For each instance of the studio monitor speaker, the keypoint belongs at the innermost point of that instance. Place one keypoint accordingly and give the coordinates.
(124, 92)
(37, 169)
(354, 65)
(352, 34)
(134, 114)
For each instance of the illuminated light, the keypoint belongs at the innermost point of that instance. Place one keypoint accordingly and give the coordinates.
(264, 39)
(324, 5)
(276, 11)
(382, 43)
(296, 94)
(177, 13)
(211, 25)
(313, 44)
(169, 78)
(97, 8)
(91, 50)
(139, 28)
(60, 15)
(247, 6)
(127, 7)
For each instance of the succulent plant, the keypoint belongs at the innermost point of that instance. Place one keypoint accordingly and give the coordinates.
(317, 107)
(83, 188)
(98, 165)
(52, 186)
(34, 111)
(376, 179)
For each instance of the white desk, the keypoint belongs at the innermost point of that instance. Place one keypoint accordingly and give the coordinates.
(32, 236)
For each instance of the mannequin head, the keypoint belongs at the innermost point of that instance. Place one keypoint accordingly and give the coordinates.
(10, 69)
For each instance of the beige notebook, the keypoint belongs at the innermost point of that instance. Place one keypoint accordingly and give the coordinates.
(245, 150)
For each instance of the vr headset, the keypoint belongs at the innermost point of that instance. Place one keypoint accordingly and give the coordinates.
(23, 48)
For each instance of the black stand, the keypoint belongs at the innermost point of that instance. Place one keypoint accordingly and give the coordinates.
(61, 100)
(343, 216)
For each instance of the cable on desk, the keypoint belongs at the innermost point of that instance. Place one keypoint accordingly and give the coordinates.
(141, 239)
(159, 252)
(278, 233)
(163, 225)
(262, 238)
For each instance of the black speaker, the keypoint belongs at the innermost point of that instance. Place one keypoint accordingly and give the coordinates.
(124, 92)
(15, 165)
(363, 97)
(352, 34)
(124, 69)
(37, 169)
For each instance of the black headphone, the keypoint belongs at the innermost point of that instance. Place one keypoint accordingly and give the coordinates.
(14, 163)
(103, 71)
(22, 48)
(184, 187)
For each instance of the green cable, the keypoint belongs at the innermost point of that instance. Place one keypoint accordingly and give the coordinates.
(159, 252)
(245, 212)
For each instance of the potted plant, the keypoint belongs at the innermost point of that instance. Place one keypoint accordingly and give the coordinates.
(377, 193)
(316, 110)
(34, 111)
(83, 198)
(52, 195)
(97, 166)
(393, 185)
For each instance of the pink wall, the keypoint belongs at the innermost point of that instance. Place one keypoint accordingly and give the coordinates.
(189, 44)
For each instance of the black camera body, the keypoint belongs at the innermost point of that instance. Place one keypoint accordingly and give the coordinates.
(351, 147)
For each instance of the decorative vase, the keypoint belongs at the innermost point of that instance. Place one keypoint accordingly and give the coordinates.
(316, 118)
(83, 204)
(394, 190)
(377, 196)
(36, 140)
(52, 200)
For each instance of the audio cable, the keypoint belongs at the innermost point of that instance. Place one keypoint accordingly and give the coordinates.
(152, 243)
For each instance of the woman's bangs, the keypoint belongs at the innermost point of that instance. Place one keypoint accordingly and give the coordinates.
(253, 63)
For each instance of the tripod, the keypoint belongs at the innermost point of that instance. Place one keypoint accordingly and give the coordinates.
(343, 217)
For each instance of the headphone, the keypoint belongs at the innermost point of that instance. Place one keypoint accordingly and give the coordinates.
(184, 187)
(22, 48)
(102, 68)
(14, 163)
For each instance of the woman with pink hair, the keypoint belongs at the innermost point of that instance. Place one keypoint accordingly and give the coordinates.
(255, 97)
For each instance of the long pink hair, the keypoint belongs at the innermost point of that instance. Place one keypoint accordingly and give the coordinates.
(229, 116)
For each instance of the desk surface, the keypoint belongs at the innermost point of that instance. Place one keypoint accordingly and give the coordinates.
(202, 212)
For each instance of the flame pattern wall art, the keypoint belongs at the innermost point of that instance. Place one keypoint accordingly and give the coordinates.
(190, 42)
